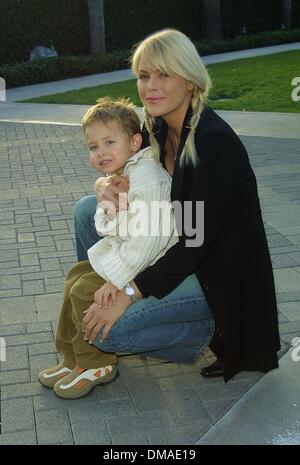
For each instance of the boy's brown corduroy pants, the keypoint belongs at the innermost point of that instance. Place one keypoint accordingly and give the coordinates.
(79, 288)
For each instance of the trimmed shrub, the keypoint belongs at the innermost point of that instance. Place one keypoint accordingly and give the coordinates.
(54, 69)
(262, 39)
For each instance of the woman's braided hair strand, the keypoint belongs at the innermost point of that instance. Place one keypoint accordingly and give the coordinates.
(189, 154)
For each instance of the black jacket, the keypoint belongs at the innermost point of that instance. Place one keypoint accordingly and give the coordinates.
(233, 264)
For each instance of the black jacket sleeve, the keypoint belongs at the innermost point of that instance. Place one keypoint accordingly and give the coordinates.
(145, 137)
(213, 182)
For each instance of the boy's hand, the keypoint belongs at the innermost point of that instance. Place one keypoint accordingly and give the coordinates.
(107, 189)
(107, 291)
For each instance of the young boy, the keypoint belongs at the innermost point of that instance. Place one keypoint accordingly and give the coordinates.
(133, 240)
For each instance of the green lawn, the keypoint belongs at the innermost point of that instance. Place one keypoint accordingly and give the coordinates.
(251, 84)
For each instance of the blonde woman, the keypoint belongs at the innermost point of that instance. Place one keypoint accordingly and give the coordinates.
(228, 273)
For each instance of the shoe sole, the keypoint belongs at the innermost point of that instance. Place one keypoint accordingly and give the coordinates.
(216, 375)
(89, 388)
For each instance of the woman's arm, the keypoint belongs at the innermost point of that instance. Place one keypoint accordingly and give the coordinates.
(214, 183)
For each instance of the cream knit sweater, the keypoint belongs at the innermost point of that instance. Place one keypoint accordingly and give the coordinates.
(138, 237)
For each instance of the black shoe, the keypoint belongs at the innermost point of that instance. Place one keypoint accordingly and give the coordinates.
(217, 345)
(214, 370)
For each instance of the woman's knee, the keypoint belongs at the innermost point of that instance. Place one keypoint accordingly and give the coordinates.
(84, 208)
(111, 343)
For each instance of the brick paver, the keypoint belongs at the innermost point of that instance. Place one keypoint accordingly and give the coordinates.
(44, 169)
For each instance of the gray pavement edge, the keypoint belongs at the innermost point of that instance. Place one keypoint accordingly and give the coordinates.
(268, 414)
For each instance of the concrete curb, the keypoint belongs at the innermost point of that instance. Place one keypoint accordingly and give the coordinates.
(267, 414)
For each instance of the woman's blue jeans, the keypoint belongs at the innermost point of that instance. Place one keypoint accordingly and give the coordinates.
(175, 328)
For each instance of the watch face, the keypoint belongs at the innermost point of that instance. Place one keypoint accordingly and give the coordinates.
(129, 291)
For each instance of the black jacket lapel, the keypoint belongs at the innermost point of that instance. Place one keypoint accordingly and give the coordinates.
(160, 132)
(177, 181)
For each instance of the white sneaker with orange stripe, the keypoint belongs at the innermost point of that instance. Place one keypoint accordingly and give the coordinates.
(81, 381)
(51, 376)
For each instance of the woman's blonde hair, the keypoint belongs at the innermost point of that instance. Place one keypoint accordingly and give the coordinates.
(172, 52)
(120, 111)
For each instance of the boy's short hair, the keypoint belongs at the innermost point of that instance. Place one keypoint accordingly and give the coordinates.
(109, 110)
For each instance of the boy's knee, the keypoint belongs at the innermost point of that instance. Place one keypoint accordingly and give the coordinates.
(77, 270)
(74, 290)
(82, 291)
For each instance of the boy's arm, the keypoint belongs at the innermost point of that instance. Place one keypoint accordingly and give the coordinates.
(105, 221)
(150, 234)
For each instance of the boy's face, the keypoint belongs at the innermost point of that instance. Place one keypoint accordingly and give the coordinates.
(109, 147)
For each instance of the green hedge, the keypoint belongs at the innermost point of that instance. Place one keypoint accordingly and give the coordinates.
(27, 23)
(128, 22)
(263, 39)
(256, 15)
(53, 69)
(296, 14)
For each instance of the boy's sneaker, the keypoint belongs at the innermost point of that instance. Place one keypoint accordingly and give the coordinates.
(81, 381)
(50, 376)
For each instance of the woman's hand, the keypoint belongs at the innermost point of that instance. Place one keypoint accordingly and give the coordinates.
(97, 317)
(108, 190)
(108, 290)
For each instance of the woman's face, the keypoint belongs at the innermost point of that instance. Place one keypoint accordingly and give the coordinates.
(161, 94)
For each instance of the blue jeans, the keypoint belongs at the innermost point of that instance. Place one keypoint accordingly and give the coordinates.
(175, 328)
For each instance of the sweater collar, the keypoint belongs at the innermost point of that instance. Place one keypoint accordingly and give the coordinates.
(134, 158)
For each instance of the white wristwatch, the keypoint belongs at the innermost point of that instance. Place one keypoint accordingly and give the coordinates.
(130, 292)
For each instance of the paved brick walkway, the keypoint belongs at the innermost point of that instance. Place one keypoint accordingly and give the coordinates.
(44, 169)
